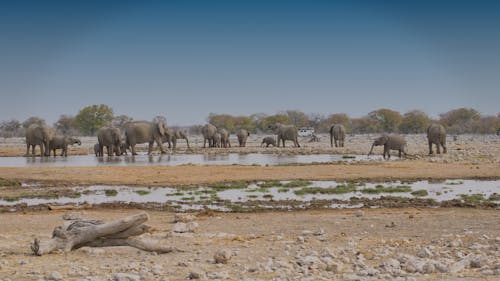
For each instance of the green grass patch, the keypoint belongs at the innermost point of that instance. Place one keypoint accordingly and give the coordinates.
(389, 189)
(7, 182)
(339, 189)
(348, 157)
(454, 183)
(298, 183)
(229, 185)
(272, 183)
(494, 197)
(187, 198)
(236, 208)
(204, 197)
(110, 192)
(142, 192)
(283, 190)
(268, 196)
(12, 199)
(253, 196)
(420, 193)
(472, 198)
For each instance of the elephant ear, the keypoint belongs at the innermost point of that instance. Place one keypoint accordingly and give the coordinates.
(161, 128)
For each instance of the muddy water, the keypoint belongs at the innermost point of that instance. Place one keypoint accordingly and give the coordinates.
(203, 196)
(260, 159)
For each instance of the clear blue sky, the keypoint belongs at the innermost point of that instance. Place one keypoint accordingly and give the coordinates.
(185, 59)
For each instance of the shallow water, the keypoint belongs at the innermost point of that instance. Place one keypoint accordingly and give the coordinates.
(260, 159)
(200, 197)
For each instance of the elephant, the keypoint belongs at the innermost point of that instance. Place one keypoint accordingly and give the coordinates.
(242, 135)
(97, 150)
(285, 132)
(390, 142)
(109, 137)
(268, 141)
(337, 133)
(171, 137)
(123, 147)
(62, 142)
(436, 134)
(208, 132)
(39, 135)
(224, 138)
(216, 140)
(138, 132)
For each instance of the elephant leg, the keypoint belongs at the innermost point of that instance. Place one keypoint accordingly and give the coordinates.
(132, 148)
(27, 149)
(150, 147)
(297, 141)
(336, 143)
(430, 148)
(438, 148)
(444, 147)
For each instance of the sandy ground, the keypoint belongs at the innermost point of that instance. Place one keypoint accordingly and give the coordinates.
(266, 246)
(374, 244)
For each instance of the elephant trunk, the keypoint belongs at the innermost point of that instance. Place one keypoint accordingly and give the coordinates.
(371, 150)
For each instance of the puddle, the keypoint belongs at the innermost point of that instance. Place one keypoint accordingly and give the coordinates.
(261, 159)
(328, 193)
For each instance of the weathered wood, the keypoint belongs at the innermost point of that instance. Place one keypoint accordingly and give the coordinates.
(81, 233)
(145, 244)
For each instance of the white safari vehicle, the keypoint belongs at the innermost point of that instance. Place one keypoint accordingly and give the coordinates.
(306, 132)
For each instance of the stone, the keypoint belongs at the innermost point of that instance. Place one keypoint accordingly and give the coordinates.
(424, 253)
(478, 261)
(55, 275)
(182, 227)
(359, 213)
(222, 256)
(194, 275)
(126, 277)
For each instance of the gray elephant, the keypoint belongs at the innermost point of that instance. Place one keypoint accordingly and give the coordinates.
(62, 142)
(285, 132)
(39, 135)
(109, 137)
(224, 138)
(97, 150)
(138, 132)
(390, 142)
(216, 140)
(123, 147)
(208, 132)
(242, 135)
(337, 133)
(268, 141)
(436, 134)
(171, 137)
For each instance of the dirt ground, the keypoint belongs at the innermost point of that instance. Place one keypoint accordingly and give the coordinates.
(367, 244)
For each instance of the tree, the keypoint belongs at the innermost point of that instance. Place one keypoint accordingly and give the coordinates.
(387, 120)
(340, 118)
(120, 121)
(460, 120)
(89, 119)
(364, 125)
(297, 118)
(273, 119)
(65, 124)
(486, 125)
(414, 121)
(10, 128)
(33, 120)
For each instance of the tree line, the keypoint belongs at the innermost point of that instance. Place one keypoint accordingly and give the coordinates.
(457, 121)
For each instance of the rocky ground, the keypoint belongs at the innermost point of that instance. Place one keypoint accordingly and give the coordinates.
(371, 244)
(363, 244)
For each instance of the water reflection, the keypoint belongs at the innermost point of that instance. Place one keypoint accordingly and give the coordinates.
(179, 159)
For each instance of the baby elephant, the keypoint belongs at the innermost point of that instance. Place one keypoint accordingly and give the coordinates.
(268, 141)
(62, 142)
(390, 142)
(97, 150)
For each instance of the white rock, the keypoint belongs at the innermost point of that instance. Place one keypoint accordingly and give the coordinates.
(359, 213)
(222, 256)
(55, 275)
(478, 261)
(72, 216)
(126, 277)
(424, 253)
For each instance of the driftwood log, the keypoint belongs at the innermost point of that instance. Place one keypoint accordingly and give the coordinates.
(92, 233)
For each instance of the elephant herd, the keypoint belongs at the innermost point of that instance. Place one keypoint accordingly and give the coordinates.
(139, 132)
